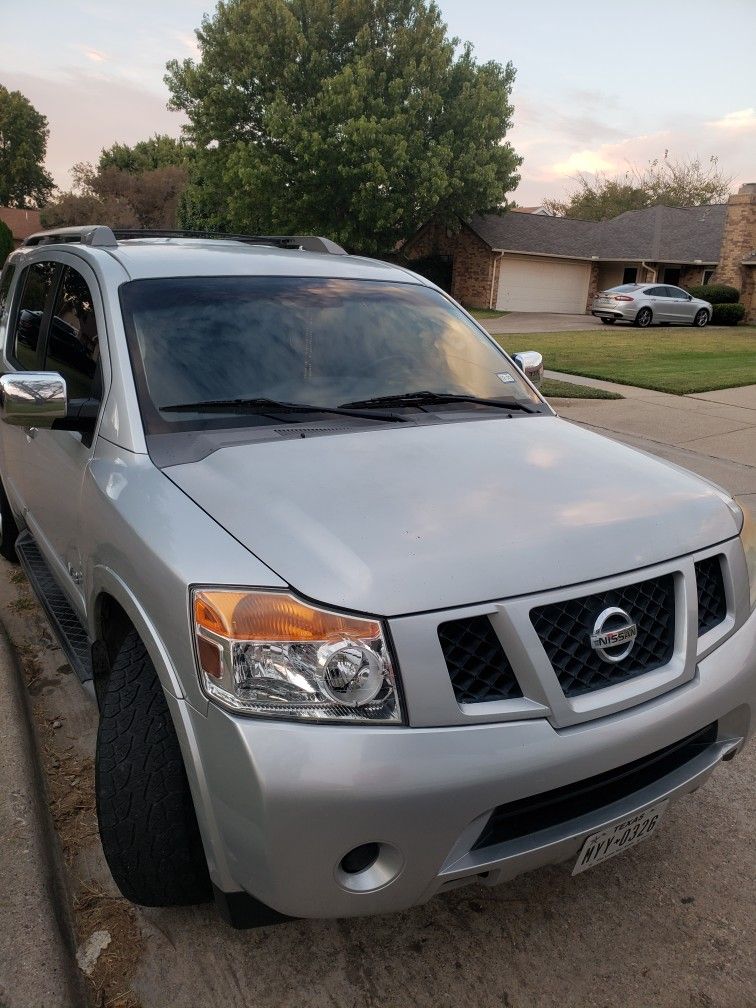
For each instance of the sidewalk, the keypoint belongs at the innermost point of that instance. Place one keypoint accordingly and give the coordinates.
(37, 956)
(713, 433)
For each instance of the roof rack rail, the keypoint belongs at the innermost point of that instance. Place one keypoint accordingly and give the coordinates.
(308, 243)
(101, 236)
(97, 235)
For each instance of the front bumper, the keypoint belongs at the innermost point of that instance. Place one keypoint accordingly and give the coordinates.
(287, 801)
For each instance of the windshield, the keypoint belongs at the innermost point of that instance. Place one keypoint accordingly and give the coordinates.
(324, 342)
(623, 288)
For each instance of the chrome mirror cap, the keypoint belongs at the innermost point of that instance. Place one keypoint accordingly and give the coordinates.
(530, 362)
(33, 398)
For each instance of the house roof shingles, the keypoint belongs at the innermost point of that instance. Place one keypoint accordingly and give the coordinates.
(657, 234)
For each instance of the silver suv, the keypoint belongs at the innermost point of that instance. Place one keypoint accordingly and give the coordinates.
(650, 303)
(364, 619)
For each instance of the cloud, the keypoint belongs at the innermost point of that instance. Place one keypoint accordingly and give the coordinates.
(744, 120)
(87, 111)
(554, 156)
(592, 161)
(95, 55)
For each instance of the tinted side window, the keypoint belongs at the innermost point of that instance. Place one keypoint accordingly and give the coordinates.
(36, 282)
(657, 292)
(675, 292)
(72, 345)
(5, 282)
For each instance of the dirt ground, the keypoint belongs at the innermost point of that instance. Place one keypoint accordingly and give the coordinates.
(670, 924)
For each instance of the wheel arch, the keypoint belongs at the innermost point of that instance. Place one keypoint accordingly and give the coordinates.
(112, 610)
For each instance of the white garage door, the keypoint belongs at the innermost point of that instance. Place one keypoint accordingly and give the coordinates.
(548, 285)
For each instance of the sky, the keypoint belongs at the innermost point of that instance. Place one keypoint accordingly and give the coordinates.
(600, 85)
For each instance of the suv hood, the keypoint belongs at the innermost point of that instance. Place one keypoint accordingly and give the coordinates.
(405, 519)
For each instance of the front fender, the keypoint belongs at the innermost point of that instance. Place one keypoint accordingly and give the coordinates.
(105, 581)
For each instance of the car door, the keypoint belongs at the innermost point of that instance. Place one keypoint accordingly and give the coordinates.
(72, 346)
(681, 306)
(25, 321)
(659, 303)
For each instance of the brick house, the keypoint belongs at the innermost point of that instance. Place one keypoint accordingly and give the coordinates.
(21, 222)
(534, 262)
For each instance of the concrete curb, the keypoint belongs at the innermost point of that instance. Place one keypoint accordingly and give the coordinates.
(38, 954)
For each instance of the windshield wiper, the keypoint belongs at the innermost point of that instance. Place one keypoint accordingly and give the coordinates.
(431, 398)
(262, 405)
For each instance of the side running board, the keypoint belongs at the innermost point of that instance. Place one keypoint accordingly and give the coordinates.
(71, 633)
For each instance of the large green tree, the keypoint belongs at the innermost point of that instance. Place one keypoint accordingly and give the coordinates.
(159, 151)
(359, 119)
(687, 182)
(23, 145)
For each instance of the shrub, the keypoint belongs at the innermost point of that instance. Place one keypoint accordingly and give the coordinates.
(715, 293)
(6, 242)
(728, 314)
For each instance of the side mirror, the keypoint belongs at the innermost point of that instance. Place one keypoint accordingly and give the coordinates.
(33, 398)
(530, 362)
(40, 399)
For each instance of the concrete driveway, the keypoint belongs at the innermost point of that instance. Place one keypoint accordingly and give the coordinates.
(537, 322)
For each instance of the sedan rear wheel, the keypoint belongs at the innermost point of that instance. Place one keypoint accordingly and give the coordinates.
(643, 318)
(701, 319)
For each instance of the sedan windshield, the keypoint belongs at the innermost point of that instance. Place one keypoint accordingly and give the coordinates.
(214, 351)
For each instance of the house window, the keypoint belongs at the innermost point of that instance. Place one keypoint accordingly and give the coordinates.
(708, 274)
(630, 274)
(672, 275)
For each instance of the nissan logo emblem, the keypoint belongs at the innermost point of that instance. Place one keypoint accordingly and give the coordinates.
(613, 635)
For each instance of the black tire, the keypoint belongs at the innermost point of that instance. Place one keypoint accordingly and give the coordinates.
(8, 529)
(148, 825)
(608, 321)
(701, 319)
(644, 318)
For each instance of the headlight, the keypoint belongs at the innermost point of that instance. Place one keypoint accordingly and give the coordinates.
(268, 653)
(748, 538)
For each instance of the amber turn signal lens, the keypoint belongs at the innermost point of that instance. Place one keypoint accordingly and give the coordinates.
(210, 657)
(275, 617)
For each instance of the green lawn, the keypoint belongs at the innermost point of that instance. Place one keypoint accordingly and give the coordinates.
(568, 390)
(670, 360)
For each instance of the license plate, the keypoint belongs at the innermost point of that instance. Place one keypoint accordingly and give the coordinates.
(605, 844)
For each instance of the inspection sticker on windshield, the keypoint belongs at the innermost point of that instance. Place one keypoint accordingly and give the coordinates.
(601, 846)
(505, 376)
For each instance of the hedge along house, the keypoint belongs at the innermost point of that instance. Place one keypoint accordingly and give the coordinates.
(531, 262)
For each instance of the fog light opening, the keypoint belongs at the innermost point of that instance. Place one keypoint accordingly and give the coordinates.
(368, 867)
(360, 858)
